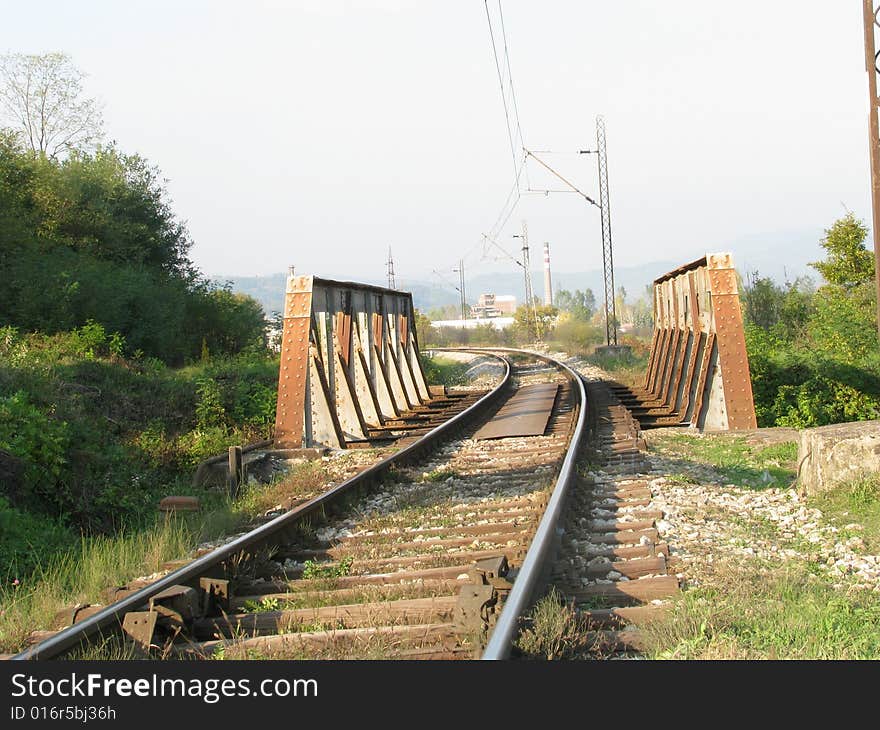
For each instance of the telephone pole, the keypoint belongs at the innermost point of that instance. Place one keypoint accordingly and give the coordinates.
(871, 22)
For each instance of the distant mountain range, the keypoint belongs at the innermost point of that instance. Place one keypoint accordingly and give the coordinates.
(780, 256)
(269, 290)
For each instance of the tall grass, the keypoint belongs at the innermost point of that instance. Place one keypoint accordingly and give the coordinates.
(81, 574)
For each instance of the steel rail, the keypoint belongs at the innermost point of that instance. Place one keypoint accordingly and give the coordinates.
(110, 619)
(529, 575)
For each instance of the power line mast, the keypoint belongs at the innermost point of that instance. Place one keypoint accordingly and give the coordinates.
(870, 19)
(607, 254)
(460, 287)
(527, 274)
(392, 284)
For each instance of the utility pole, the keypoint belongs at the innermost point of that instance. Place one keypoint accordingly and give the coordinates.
(463, 300)
(389, 270)
(527, 273)
(607, 253)
(871, 22)
(461, 293)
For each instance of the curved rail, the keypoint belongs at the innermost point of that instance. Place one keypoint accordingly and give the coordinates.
(110, 618)
(529, 575)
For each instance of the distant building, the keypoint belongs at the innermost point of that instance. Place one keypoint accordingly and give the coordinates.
(494, 305)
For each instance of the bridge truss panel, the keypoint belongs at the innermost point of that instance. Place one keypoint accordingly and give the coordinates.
(349, 362)
(698, 370)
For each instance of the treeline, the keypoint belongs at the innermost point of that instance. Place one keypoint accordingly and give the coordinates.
(813, 351)
(92, 237)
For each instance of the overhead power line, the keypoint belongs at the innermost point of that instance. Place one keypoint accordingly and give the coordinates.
(522, 142)
(501, 86)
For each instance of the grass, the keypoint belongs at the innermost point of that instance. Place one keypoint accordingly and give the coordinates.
(760, 611)
(856, 502)
(781, 609)
(627, 369)
(441, 370)
(265, 605)
(339, 569)
(553, 630)
(439, 475)
(734, 460)
(79, 575)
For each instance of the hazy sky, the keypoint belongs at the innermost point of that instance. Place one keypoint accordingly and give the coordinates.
(319, 133)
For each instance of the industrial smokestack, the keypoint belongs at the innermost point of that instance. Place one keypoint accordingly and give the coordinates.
(548, 289)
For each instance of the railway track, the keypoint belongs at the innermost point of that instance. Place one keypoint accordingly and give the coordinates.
(437, 551)
(375, 564)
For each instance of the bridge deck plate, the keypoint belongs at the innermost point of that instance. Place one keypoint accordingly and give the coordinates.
(525, 414)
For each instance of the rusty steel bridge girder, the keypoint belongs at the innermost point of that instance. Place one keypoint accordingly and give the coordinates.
(698, 369)
(349, 362)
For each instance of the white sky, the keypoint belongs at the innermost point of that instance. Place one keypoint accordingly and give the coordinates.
(319, 133)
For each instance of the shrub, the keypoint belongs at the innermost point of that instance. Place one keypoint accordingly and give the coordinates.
(38, 440)
(822, 400)
(576, 336)
(25, 540)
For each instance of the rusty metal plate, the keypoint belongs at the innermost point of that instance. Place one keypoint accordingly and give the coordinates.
(723, 282)
(734, 362)
(292, 374)
(525, 414)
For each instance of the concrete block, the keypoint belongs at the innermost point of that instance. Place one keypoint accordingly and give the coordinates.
(829, 455)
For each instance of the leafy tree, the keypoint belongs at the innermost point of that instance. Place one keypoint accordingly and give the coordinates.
(423, 328)
(580, 304)
(42, 97)
(848, 262)
(93, 237)
(525, 324)
(786, 307)
(813, 355)
(643, 309)
(843, 326)
(763, 301)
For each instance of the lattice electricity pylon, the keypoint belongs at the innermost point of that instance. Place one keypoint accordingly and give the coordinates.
(607, 254)
(527, 274)
(389, 270)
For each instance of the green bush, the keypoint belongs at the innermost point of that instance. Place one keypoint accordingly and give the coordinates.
(140, 427)
(25, 540)
(822, 400)
(577, 335)
(39, 441)
(813, 354)
(443, 371)
(209, 408)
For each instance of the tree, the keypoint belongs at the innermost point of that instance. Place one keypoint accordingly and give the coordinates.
(525, 317)
(42, 97)
(763, 300)
(848, 263)
(580, 304)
